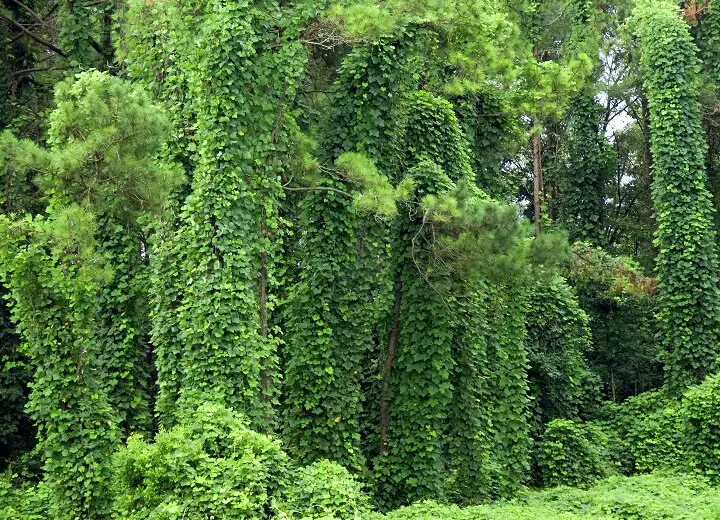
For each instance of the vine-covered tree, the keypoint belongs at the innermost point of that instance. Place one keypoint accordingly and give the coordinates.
(687, 265)
(103, 140)
(270, 259)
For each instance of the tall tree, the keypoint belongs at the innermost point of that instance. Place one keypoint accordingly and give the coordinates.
(214, 272)
(104, 137)
(335, 306)
(585, 177)
(687, 263)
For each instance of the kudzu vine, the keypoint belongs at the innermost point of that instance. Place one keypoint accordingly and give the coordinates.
(396, 313)
(558, 340)
(492, 136)
(438, 426)
(420, 362)
(706, 33)
(57, 272)
(334, 307)
(53, 305)
(589, 167)
(214, 271)
(124, 327)
(303, 238)
(85, 33)
(687, 264)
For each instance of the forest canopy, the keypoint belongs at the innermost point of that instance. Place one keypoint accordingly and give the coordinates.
(359, 259)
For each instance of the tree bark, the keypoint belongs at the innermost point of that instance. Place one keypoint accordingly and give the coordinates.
(645, 125)
(537, 182)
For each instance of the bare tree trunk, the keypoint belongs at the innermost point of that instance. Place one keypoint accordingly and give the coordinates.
(537, 182)
(645, 125)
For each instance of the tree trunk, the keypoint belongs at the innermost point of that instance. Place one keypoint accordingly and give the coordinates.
(537, 182)
(645, 125)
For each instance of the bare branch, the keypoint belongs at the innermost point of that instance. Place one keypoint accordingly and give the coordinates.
(28, 10)
(38, 39)
(321, 188)
(324, 35)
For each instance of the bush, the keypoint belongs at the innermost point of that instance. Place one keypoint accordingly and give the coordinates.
(651, 432)
(324, 490)
(571, 454)
(211, 467)
(700, 416)
(22, 500)
(557, 341)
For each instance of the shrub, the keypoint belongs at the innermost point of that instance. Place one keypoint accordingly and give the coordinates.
(571, 454)
(211, 467)
(23, 500)
(651, 433)
(700, 416)
(558, 339)
(324, 490)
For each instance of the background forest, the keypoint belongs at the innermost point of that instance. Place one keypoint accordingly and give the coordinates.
(359, 259)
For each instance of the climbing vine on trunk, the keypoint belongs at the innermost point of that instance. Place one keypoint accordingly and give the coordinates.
(57, 272)
(687, 263)
(214, 271)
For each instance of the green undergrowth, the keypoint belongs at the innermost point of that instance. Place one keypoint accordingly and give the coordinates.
(324, 491)
(650, 497)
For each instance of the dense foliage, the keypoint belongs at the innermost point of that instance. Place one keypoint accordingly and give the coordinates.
(689, 298)
(678, 497)
(324, 489)
(212, 465)
(571, 454)
(359, 259)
